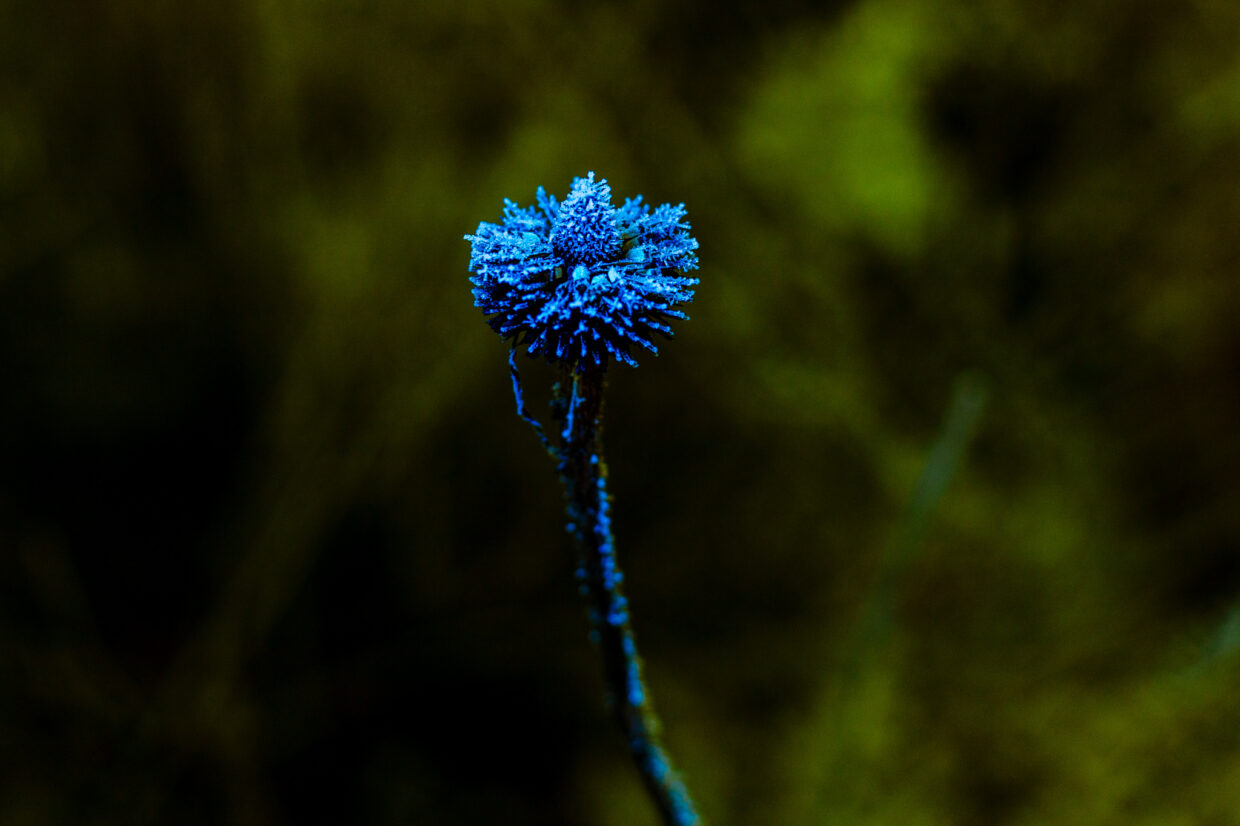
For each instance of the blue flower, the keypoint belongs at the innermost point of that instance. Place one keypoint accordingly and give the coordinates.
(579, 281)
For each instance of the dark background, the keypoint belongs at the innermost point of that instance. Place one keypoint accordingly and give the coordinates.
(275, 548)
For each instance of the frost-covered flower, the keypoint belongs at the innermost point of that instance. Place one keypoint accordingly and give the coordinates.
(578, 281)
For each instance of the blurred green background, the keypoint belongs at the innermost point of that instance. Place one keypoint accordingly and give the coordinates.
(275, 548)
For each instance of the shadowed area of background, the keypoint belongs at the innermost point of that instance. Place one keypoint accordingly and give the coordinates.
(931, 514)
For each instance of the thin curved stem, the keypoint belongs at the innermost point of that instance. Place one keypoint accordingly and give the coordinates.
(584, 473)
(520, 397)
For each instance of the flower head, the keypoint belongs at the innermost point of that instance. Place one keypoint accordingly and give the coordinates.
(580, 281)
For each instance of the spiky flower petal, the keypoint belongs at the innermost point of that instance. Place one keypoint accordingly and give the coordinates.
(580, 281)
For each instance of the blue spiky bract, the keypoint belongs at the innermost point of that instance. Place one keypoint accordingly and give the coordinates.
(580, 282)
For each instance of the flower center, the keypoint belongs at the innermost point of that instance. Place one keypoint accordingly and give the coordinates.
(585, 227)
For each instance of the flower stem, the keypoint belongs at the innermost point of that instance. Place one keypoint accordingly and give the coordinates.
(584, 474)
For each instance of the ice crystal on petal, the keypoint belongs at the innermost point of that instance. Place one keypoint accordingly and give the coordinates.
(580, 281)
